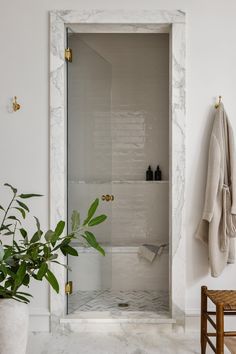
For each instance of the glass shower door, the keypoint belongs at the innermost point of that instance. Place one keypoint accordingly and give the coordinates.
(89, 165)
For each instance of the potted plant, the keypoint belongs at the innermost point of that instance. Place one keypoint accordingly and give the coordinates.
(24, 257)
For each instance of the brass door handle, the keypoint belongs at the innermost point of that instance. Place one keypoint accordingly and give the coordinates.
(108, 197)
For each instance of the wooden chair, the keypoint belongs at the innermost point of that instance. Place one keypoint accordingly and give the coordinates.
(225, 302)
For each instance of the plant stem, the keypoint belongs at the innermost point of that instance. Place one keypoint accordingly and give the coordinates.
(5, 215)
(13, 237)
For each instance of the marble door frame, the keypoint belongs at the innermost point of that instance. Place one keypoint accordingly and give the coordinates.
(133, 21)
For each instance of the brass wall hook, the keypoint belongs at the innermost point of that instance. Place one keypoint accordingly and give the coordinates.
(15, 105)
(219, 102)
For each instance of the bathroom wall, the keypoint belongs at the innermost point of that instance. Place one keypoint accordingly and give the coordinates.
(24, 136)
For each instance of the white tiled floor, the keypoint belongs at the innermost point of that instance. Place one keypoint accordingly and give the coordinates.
(108, 343)
(89, 343)
(108, 300)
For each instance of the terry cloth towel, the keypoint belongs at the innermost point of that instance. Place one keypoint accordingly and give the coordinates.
(217, 227)
(150, 252)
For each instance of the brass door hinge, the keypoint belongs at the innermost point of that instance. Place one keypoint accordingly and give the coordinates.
(69, 288)
(68, 55)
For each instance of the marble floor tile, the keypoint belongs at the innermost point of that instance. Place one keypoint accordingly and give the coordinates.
(109, 300)
(106, 343)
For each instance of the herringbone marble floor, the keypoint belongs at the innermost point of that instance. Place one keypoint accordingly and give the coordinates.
(109, 300)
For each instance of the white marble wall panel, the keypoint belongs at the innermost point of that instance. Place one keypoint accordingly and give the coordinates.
(136, 21)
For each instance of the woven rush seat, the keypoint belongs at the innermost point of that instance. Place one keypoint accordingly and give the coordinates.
(225, 305)
(225, 297)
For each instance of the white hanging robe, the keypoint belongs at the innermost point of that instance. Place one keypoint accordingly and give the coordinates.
(217, 226)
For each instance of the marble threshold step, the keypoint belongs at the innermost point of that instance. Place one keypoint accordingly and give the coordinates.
(86, 321)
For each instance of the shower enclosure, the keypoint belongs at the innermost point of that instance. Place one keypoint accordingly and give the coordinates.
(118, 125)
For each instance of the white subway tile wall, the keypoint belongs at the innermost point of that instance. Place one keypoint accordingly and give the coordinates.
(118, 125)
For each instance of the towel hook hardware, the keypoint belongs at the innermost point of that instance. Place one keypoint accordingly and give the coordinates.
(15, 105)
(219, 102)
(108, 198)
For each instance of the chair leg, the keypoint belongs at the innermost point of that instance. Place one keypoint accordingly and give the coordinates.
(203, 319)
(219, 329)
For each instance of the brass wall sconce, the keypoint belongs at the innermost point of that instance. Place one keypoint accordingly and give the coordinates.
(15, 105)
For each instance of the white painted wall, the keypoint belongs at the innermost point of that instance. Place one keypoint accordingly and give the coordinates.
(24, 66)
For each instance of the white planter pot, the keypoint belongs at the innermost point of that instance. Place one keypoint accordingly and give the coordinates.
(14, 321)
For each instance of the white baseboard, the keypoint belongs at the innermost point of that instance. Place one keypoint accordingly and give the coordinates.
(39, 320)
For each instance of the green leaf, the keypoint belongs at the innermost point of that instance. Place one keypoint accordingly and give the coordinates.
(25, 196)
(8, 253)
(20, 274)
(5, 227)
(22, 211)
(9, 283)
(34, 254)
(59, 228)
(98, 220)
(3, 269)
(66, 241)
(91, 211)
(23, 232)
(14, 218)
(53, 256)
(69, 250)
(26, 280)
(46, 251)
(1, 252)
(14, 190)
(2, 208)
(49, 234)
(42, 271)
(75, 220)
(91, 239)
(52, 280)
(58, 231)
(9, 233)
(38, 227)
(22, 205)
(36, 237)
(21, 298)
(23, 293)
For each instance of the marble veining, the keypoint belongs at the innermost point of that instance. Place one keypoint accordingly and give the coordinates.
(108, 343)
(145, 301)
(135, 19)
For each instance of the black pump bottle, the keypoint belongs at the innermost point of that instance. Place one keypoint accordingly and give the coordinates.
(149, 174)
(158, 174)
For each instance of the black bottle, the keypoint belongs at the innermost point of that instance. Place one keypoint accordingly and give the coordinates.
(158, 174)
(149, 174)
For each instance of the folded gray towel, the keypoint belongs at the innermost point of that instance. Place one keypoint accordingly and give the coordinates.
(150, 252)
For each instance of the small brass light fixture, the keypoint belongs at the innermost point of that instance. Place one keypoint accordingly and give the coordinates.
(15, 105)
